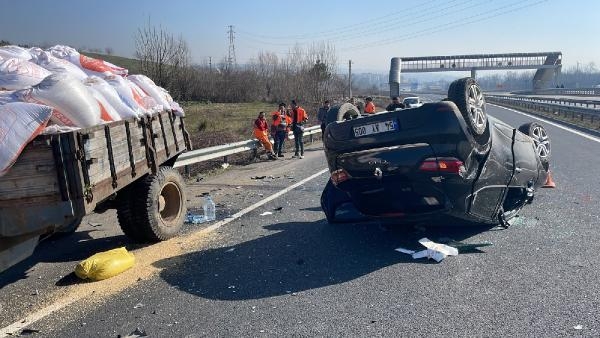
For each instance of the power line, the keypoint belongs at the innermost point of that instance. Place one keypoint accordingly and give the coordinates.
(367, 22)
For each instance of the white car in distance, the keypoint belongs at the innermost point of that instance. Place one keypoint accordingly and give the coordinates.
(412, 102)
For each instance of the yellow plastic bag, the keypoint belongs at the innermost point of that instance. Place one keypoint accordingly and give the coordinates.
(105, 264)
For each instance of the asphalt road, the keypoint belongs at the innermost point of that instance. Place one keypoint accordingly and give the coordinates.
(292, 274)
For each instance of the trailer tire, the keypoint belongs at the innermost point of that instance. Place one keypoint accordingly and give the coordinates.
(125, 216)
(159, 205)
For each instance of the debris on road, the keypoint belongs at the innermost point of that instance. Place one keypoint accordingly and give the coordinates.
(436, 251)
(138, 305)
(225, 165)
(465, 247)
(135, 334)
(278, 209)
(258, 177)
(93, 224)
(105, 264)
(194, 218)
(578, 327)
(266, 213)
(27, 332)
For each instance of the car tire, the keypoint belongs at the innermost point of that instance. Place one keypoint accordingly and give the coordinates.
(541, 141)
(125, 214)
(468, 97)
(342, 112)
(326, 203)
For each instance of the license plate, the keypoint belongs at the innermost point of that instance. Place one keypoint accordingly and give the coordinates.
(375, 128)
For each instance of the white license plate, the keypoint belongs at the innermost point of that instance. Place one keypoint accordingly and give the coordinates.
(375, 128)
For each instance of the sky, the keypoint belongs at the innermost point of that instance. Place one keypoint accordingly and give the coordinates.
(369, 33)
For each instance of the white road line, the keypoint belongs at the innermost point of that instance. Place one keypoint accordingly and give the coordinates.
(577, 132)
(48, 310)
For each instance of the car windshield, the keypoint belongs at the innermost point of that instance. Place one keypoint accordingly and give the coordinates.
(411, 100)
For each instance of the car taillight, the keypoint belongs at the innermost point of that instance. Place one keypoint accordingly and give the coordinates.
(443, 164)
(339, 176)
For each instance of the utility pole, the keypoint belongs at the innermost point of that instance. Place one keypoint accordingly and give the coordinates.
(210, 63)
(350, 78)
(231, 56)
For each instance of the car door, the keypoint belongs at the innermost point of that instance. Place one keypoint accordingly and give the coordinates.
(490, 186)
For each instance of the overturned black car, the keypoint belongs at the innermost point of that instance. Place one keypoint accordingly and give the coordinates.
(440, 160)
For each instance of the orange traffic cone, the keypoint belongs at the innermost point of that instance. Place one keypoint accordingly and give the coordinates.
(549, 181)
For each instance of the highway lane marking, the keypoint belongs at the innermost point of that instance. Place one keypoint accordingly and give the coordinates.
(144, 268)
(577, 132)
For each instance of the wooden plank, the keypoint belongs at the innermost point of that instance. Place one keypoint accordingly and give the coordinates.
(20, 187)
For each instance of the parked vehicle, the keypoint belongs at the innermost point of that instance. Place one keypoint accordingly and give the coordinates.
(126, 165)
(443, 159)
(412, 102)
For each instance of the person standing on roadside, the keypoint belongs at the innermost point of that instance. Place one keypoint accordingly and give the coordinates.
(299, 116)
(396, 104)
(261, 132)
(280, 128)
(369, 106)
(322, 115)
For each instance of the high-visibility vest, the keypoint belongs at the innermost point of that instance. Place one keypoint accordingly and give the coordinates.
(300, 115)
(277, 120)
(370, 108)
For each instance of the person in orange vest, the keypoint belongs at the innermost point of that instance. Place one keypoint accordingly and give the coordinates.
(369, 106)
(261, 132)
(280, 128)
(299, 117)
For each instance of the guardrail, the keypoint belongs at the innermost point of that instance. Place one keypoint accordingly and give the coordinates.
(565, 91)
(210, 153)
(551, 106)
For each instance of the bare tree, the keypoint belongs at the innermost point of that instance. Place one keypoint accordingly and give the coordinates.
(108, 50)
(163, 57)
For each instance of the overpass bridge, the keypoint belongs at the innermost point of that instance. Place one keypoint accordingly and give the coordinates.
(548, 64)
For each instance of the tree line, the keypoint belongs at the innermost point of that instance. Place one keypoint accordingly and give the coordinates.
(307, 74)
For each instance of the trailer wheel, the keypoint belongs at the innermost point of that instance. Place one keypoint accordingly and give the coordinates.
(125, 216)
(159, 205)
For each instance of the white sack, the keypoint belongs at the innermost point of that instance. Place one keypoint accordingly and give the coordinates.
(8, 52)
(126, 94)
(145, 100)
(56, 65)
(89, 65)
(151, 89)
(7, 97)
(174, 105)
(19, 74)
(107, 112)
(73, 103)
(110, 94)
(19, 123)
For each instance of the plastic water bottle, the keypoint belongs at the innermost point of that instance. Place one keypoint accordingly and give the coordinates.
(209, 209)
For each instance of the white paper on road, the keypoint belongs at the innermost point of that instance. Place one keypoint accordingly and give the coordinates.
(266, 213)
(434, 250)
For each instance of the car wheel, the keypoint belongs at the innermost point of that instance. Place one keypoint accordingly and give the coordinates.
(468, 97)
(541, 140)
(326, 203)
(342, 112)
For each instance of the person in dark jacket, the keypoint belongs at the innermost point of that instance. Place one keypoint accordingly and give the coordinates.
(396, 104)
(322, 115)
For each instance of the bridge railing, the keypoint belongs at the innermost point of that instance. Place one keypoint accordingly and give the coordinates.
(565, 91)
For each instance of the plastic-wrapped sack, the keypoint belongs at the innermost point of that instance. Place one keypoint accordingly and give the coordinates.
(56, 65)
(8, 96)
(8, 52)
(150, 88)
(73, 103)
(107, 112)
(88, 64)
(104, 265)
(20, 123)
(145, 100)
(127, 94)
(110, 94)
(174, 105)
(19, 74)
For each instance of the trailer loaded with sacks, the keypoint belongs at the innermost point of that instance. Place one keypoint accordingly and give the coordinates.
(59, 178)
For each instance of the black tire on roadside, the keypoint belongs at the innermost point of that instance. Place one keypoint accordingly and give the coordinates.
(159, 205)
(468, 97)
(125, 215)
(541, 141)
